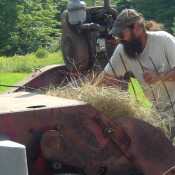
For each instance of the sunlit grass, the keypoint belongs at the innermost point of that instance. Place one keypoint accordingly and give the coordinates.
(17, 68)
(10, 79)
(28, 63)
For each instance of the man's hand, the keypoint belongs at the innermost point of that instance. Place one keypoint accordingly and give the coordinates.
(151, 77)
(108, 80)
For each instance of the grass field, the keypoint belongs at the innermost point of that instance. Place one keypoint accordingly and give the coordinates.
(28, 63)
(15, 69)
(11, 79)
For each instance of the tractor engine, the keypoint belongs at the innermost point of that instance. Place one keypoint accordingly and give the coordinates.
(86, 43)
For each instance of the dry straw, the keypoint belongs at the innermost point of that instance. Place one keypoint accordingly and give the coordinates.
(111, 101)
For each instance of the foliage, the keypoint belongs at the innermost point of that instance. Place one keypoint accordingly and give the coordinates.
(173, 27)
(97, 2)
(41, 53)
(27, 25)
(61, 6)
(7, 22)
(36, 25)
(160, 10)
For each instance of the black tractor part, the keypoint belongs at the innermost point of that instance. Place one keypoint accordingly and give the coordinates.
(79, 42)
(74, 47)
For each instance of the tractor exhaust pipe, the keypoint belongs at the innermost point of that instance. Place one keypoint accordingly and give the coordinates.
(107, 4)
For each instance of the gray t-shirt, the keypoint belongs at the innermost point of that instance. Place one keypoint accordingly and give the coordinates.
(160, 52)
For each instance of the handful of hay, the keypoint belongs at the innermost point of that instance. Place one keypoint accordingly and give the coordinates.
(109, 100)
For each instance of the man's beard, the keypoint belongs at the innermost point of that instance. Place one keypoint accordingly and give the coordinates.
(132, 48)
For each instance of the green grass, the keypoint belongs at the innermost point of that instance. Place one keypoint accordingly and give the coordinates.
(11, 79)
(28, 63)
(15, 69)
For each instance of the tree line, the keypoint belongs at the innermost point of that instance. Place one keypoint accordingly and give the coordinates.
(162, 11)
(27, 25)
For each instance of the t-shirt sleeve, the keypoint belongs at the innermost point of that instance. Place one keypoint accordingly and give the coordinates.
(115, 66)
(170, 49)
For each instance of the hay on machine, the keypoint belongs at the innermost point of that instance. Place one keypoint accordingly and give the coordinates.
(111, 101)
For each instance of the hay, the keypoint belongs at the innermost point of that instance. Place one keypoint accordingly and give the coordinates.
(109, 100)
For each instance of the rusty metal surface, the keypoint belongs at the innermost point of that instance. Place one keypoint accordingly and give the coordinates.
(150, 150)
(76, 134)
(85, 145)
(26, 101)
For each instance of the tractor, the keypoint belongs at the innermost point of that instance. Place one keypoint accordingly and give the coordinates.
(86, 43)
(65, 136)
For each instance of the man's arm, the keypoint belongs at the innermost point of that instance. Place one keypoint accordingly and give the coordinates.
(151, 77)
(114, 70)
(107, 79)
(168, 76)
(169, 48)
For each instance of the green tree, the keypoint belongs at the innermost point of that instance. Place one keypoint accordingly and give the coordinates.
(173, 27)
(36, 25)
(27, 25)
(61, 6)
(160, 10)
(7, 22)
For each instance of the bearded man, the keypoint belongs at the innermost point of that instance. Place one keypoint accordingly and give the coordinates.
(150, 56)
